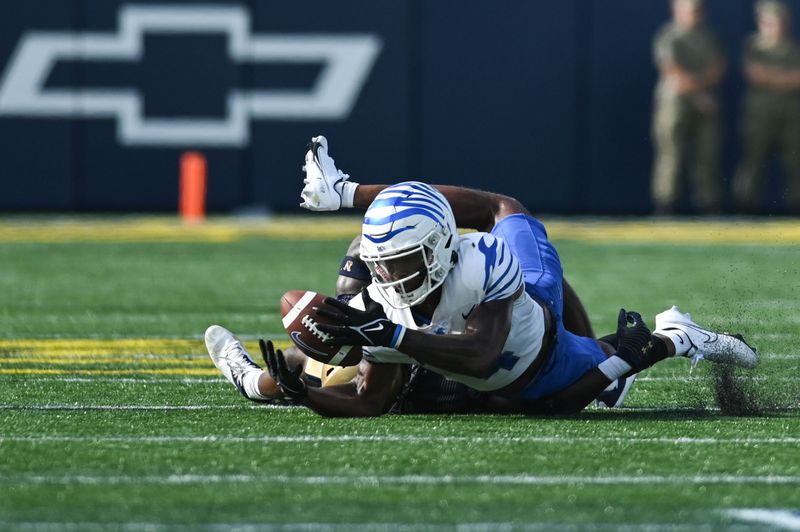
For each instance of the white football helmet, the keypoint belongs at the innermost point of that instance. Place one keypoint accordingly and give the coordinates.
(408, 241)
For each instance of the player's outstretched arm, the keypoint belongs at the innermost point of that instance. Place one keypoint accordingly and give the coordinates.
(473, 209)
(326, 188)
(374, 391)
(473, 353)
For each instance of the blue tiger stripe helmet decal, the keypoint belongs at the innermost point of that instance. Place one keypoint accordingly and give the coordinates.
(405, 223)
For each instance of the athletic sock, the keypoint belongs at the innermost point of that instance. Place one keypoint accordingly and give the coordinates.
(610, 339)
(660, 350)
(250, 385)
(679, 339)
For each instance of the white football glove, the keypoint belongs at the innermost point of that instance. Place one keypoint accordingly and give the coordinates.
(326, 187)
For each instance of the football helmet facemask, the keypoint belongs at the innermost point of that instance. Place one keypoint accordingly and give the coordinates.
(408, 242)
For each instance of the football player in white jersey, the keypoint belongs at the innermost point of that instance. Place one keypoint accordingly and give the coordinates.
(484, 309)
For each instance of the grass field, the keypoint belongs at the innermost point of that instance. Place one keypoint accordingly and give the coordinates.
(113, 417)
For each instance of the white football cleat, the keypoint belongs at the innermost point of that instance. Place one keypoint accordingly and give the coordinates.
(716, 347)
(324, 183)
(229, 355)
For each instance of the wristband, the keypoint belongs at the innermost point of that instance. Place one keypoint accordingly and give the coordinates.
(355, 268)
(614, 368)
(348, 193)
(397, 337)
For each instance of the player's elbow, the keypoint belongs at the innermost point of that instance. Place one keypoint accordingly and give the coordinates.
(505, 206)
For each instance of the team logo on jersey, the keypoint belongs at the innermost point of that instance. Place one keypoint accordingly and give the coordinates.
(347, 60)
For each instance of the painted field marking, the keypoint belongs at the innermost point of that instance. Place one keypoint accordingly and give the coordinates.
(164, 229)
(785, 519)
(215, 380)
(164, 408)
(633, 410)
(407, 480)
(411, 439)
(382, 526)
(73, 347)
(127, 360)
(123, 356)
(208, 372)
(760, 378)
(180, 373)
(100, 357)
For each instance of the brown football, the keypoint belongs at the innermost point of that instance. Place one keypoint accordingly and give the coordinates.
(300, 323)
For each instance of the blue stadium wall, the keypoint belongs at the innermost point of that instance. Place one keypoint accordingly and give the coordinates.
(547, 100)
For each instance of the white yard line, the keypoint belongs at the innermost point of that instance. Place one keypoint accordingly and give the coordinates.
(408, 480)
(368, 527)
(141, 407)
(219, 380)
(685, 378)
(81, 407)
(413, 439)
(123, 380)
(784, 519)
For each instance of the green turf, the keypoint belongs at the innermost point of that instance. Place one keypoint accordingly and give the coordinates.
(103, 451)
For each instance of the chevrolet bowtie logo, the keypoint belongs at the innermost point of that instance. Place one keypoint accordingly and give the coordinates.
(347, 61)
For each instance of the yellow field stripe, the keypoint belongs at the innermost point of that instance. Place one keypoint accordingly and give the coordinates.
(82, 347)
(131, 356)
(324, 227)
(659, 232)
(105, 361)
(163, 229)
(196, 372)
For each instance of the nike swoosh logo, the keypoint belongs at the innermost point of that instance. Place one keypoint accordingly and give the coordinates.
(709, 338)
(375, 328)
(305, 347)
(466, 315)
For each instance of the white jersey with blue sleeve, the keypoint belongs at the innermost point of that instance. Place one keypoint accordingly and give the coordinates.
(485, 271)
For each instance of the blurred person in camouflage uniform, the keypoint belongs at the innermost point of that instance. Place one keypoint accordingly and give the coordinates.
(771, 116)
(686, 118)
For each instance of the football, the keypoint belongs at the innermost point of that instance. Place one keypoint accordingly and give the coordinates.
(300, 323)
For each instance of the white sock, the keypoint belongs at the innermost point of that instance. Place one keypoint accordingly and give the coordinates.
(614, 367)
(679, 339)
(250, 385)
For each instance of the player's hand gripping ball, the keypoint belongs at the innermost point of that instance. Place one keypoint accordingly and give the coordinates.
(300, 322)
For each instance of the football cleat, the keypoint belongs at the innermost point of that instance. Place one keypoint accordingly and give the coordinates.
(614, 395)
(324, 182)
(704, 344)
(229, 356)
